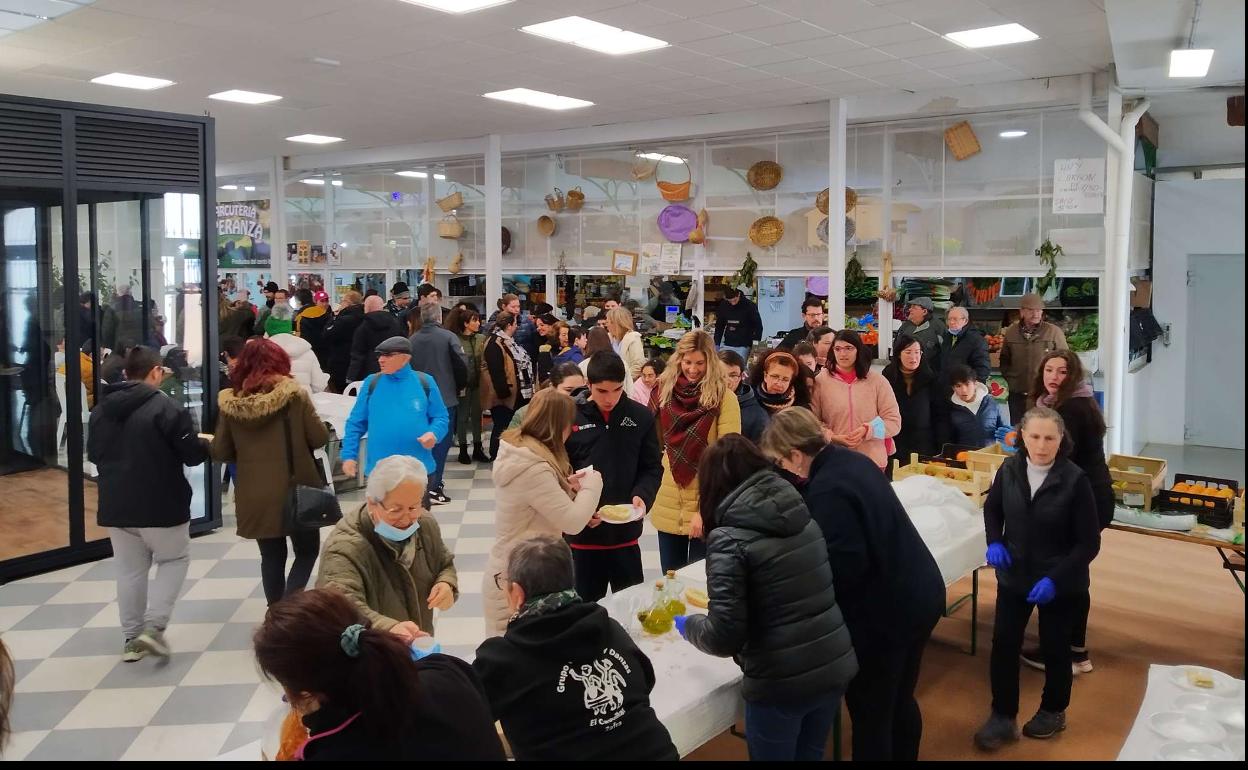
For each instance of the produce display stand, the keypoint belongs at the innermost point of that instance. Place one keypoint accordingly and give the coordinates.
(1232, 553)
(1143, 477)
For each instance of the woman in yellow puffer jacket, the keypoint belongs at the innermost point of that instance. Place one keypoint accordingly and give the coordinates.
(694, 407)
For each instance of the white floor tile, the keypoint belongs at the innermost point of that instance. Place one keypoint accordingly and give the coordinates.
(233, 667)
(86, 592)
(460, 631)
(470, 582)
(68, 674)
(109, 617)
(482, 494)
(650, 560)
(223, 588)
(126, 707)
(11, 616)
(191, 637)
(248, 753)
(36, 645)
(67, 575)
(200, 567)
(251, 611)
(186, 742)
(21, 744)
(267, 697)
(246, 549)
(450, 532)
(479, 517)
(473, 545)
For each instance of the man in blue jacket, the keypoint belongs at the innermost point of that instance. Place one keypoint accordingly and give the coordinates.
(401, 410)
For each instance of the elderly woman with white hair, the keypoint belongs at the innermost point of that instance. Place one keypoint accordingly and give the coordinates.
(388, 558)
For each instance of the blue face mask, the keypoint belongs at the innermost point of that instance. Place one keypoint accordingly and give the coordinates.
(394, 534)
(954, 332)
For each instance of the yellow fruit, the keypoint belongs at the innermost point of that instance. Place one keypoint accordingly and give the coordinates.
(1185, 500)
(1226, 493)
(1180, 487)
(1208, 503)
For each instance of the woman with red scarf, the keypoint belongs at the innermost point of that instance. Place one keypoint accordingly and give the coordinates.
(856, 405)
(694, 407)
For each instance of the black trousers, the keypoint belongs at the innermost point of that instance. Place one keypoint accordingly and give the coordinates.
(888, 724)
(277, 584)
(596, 569)
(1057, 618)
(1018, 407)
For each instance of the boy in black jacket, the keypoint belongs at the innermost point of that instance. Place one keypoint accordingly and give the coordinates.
(566, 681)
(140, 439)
(617, 436)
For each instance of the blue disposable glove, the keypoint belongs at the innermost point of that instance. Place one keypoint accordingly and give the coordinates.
(998, 556)
(680, 621)
(1042, 592)
(418, 653)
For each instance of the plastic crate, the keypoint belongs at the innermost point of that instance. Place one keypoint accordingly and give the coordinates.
(1210, 510)
(1137, 480)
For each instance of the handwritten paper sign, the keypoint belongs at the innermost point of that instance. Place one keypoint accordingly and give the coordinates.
(649, 259)
(669, 259)
(1079, 186)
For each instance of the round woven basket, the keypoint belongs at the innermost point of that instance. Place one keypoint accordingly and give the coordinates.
(821, 201)
(764, 175)
(851, 200)
(766, 231)
(546, 225)
(575, 199)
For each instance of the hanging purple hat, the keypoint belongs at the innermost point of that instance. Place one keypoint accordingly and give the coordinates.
(676, 222)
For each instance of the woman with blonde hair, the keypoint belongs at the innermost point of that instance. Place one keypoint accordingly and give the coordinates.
(626, 341)
(694, 407)
(537, 492)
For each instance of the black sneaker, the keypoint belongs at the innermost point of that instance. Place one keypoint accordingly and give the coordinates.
(1033, 658)
(1045, 724)
(996, 732)
(464, 459)
(439, 498)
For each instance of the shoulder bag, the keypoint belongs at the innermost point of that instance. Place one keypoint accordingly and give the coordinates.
(307, 508)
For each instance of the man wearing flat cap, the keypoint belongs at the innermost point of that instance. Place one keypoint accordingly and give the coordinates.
(1026, 341)
(925, 327)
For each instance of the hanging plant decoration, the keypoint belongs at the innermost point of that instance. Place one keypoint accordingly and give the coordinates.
(745, 274)
(1048, 254)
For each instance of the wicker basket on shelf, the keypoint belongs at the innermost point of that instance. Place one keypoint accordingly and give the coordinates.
(821, 200)
(575, 199)
(764, 175)
(961, 140)
(450, 227)
(766, 231)
(451, 202)
(555, 200)
(851, 199)
(546, 225)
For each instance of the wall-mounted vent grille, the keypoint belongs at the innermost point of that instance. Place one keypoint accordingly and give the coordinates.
(110, 150)
(30, 144)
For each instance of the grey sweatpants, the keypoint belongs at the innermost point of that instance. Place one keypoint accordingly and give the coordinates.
(135, 548)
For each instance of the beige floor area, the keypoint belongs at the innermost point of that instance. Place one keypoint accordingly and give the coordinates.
(34, 515)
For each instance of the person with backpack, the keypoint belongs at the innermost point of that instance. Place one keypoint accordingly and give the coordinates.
(139, 438)
(400, 409)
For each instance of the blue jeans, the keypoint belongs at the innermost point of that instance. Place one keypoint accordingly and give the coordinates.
(676, 551)
(442, 449)
(787, 732)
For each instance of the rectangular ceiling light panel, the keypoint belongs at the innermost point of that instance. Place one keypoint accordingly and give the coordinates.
(531, 98)
(987, 37)
(586, 33)
(1190, 62)
(244, 97)
(457, 6)
(314, 139)
(140, 82)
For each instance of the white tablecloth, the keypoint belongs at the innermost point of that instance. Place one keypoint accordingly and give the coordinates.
(696, 696)
(1142, 742)
(334, 409)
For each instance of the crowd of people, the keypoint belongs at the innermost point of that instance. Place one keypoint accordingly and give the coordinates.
(769, 464)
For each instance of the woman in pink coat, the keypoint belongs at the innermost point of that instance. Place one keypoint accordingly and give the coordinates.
(856, 405)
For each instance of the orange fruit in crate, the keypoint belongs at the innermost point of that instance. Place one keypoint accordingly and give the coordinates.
(1226, 493)
(1208, 503)
(1185, 500)
(962, 456)
(1180, 487)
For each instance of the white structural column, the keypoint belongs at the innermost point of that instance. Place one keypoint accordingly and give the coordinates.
(277, 223)
(493, 220)
(837, 130)
(1114, 325)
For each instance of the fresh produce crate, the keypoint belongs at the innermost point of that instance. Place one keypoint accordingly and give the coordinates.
(973, 484)
(1237, 517)
(955, 455)
(986, 460)
(1137, 479)
(1214, 506)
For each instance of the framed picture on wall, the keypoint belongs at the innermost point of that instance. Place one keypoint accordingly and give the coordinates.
(624, 262)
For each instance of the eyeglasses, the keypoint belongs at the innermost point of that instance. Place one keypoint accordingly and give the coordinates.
(499, 580)
(779, 379)
(397, 509)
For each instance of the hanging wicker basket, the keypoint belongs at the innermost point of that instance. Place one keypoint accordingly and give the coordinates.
(961, 140)
(450, 227)
(764, 175)
(457, 264)
(676, 191)
(821, 200)
(506, 240)
(575, 199)
(766, 231)
(546, 225)
(851, 199)
(451, 202)
(643, 169)
(555, 201)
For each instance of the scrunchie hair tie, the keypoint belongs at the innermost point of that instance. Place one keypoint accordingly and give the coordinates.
(350, 640)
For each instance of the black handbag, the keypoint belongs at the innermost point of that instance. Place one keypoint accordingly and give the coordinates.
(307, 508)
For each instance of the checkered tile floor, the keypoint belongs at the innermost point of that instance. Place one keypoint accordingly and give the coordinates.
(76, 700)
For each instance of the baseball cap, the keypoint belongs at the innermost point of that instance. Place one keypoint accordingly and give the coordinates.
(923, 302)
(321, 296)
(271, 287)
(400, 289)
(1032, 302)
(395, 344)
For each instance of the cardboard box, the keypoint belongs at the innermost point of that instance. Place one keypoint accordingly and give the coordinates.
(1143, 294)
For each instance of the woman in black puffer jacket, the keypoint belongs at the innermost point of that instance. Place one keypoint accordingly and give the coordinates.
(914, 385)
(772, 604)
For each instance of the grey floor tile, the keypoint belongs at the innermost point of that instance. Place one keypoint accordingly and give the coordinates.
(209, 550)
(468, 606)
(476, 530)
(23, 667)
(235, 568)
(103, 744)
(258, 593)
(59, 616)
(205, 704)
(17, 594)
(481, 505)
(92, 641)
(204, 610)
(150, 672)
(105, 570)
(42, 710)
(234, 636)
(244, 733)
(471, 562)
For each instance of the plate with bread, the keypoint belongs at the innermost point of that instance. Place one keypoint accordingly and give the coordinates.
(621, 514)
(1206, 680)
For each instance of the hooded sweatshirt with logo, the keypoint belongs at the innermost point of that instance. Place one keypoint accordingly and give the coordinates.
(976, 423)
(572, 685)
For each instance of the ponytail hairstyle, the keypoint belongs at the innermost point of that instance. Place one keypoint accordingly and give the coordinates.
(316, 642)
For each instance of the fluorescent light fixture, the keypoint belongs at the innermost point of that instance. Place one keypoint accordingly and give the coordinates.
(1190, 62)
(660, 157)
(337, 183)
(314, 181)
(412, 174)
(531, 98)
(595, 36)
(986, 37)
(244, 97)
(439, 176)
(229, 187)
(250, 188)
(122, 80)
(314, 139)
(1012, 134)
(457, 6)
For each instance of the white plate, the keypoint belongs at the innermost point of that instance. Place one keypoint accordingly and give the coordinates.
(1192, 752)
(638, 515)
(1223, 685)
(1186, 727)
(1196, 702)
(1229, 713)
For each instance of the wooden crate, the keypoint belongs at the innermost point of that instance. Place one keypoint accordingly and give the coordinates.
(987, 460)
(976, 487)
(1137, 480)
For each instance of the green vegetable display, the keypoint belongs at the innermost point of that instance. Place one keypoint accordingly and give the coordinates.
(1087, 336)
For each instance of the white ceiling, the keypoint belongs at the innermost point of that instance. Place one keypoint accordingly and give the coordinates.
(409, 74)
(1145, 31)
